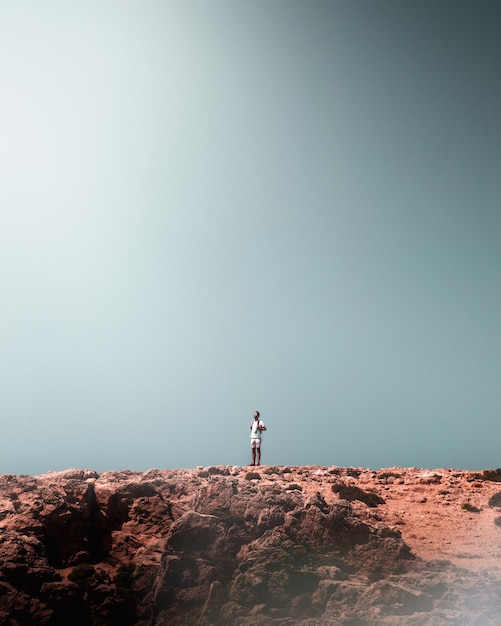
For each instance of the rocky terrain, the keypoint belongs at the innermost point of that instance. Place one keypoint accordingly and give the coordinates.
(234, 546)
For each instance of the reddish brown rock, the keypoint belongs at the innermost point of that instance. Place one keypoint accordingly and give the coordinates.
(225, 546)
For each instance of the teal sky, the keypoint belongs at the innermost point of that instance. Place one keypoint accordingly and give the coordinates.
(212, 207)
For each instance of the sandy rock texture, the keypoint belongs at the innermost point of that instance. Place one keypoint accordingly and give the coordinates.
(277, 546)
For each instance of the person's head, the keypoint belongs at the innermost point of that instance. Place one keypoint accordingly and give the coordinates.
(256, 415)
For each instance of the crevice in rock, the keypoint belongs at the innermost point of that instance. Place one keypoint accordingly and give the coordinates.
(99, 534)
(76, 533)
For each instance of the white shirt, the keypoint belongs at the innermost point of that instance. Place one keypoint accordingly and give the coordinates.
(255, 432)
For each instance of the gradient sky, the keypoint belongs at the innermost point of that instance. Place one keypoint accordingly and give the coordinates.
(212, 207)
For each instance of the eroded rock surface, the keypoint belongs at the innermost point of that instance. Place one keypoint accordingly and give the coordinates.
(229, 546)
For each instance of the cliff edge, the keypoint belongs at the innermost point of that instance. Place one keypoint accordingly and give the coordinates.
(269, 546)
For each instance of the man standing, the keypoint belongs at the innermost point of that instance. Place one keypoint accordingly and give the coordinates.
(256, 428)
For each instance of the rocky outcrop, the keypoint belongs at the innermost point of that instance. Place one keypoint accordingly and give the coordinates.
(222, 546)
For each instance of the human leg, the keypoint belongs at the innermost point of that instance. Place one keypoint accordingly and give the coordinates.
(253, 447)
(258, 449)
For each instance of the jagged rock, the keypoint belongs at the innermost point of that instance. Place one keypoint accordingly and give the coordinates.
(217, 547)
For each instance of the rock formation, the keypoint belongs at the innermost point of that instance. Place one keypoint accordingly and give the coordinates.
(228, 546)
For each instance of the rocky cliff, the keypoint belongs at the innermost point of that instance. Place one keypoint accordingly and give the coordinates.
(238, 546)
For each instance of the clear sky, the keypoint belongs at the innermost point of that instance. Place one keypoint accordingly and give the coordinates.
(212, 207)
